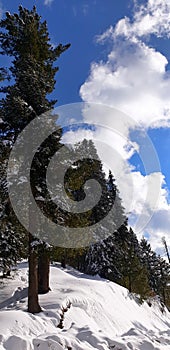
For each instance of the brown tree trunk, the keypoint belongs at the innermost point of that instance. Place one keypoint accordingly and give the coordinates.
(43, 272)
(33, 304)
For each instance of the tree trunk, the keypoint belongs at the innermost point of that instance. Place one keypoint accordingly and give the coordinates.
(6, 273)
(130, 283)
(63, 259)
(43, 272)
(166, 248)
(63, 263)
(33, 304)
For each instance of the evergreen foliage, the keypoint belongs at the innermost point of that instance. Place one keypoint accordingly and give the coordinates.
(104, 257)
(13, 241)
(24, 38)
(134, 274)
(158, 271)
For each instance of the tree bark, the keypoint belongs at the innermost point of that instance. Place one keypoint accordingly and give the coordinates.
(130, 284)
(33, 304)
(63, 263)
(63, 259)
(43, 272)
(166, 248)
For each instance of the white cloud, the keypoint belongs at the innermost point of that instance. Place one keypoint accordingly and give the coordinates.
(158, 220)
(73, 137)
(48, 2)
(144, 197)
(134, 79)
(140, 193)
(150, 18)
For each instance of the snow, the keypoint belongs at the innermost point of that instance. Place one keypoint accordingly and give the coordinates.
(102, 316)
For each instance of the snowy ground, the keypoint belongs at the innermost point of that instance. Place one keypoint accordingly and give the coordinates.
(102, 316)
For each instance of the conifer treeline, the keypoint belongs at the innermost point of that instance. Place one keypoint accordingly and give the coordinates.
(118, 255)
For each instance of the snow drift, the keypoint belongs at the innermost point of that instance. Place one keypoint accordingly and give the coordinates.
(102, 315)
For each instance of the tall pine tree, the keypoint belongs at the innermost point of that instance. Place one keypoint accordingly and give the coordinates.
(25, 38)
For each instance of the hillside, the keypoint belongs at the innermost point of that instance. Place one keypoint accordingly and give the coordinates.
(102, 316)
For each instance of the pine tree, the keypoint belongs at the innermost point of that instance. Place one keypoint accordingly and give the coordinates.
(25, 38)
(134, 274)
(87, 167)
(105, 256)
(158, 271)
(149, 259)
(166, 248)
(12, 242)
(163, 280)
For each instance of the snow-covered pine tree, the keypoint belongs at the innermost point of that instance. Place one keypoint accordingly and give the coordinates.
(12, 241)
(105, 256)
(158, 271)
(25, 38)
(87, 167)
(134, 274)
(163, 280)
(166, 248)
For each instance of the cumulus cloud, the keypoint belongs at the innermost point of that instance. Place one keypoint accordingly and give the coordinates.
(143, 196)
(73, 137)
(134, 79)
(140, 193)
(152, 17)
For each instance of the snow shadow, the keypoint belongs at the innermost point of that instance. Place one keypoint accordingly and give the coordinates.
(17, 296)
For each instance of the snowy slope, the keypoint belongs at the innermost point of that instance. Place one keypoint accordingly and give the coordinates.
(102, 316)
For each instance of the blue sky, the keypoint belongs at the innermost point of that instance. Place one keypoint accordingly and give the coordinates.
(119, 56)
(77, 22)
